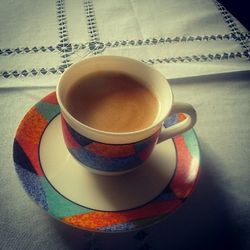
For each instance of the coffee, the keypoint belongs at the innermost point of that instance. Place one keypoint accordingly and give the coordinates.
(112, 101)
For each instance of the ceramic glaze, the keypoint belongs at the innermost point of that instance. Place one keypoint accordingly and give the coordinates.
(107, 157)
(29, 170)
(96, 155)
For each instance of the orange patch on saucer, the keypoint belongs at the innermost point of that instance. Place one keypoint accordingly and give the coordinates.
(100, 219)
(29, 134)
(51, 98)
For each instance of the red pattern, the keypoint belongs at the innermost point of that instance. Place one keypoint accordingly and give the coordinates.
(181, 117)
(29, 134)
(70, 141)
(181, 184)
(111, 151)
(51, 98)
(95, 220)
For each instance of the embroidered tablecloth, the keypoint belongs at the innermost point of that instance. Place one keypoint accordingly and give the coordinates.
(198, 45)
(39, 40)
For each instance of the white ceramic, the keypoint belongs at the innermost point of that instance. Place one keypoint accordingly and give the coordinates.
(72, 194)
(100, 192)
(76, 133)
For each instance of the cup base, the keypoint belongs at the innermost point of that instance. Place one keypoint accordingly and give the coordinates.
(106, 173)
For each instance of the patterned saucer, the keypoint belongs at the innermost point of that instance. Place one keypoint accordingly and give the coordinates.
(149, 199)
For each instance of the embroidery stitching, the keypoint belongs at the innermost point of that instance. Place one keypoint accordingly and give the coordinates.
(71, 47)
(32, 72)
(41, 49)
(163, 40)
(95, 46)
(64, 46)
(184, 59)
(27, 50)
(237, 35)
(197, 58)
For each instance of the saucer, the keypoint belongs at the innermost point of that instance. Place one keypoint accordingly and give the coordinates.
(71, 193)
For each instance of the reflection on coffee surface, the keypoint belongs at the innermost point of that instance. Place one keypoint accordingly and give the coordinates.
(112, 101)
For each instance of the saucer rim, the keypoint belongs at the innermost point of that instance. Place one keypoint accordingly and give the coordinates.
(153, 219)
(127, 172)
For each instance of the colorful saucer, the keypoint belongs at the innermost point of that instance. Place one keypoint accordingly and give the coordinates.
(47, 186)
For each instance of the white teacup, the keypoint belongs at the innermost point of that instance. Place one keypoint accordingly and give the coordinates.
(113, 153)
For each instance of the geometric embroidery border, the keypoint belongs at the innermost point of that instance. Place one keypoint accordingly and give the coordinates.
(234, 29)
(71, 48)
(95, 46)
(183, 59)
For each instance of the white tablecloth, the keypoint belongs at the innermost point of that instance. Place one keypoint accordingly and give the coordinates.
(39, 40)
(204, 52)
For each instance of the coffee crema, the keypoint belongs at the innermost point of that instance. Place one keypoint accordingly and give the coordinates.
(112, 101)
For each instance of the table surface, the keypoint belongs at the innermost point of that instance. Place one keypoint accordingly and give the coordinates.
(217, 214)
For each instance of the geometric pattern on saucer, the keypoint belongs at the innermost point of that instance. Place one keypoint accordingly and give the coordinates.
(29, 170)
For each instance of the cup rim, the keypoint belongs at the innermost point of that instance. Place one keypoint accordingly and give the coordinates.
(109, 133)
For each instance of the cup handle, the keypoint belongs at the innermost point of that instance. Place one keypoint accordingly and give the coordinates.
(180, 127)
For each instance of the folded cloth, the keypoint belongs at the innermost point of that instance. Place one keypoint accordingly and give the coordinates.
(39, 40)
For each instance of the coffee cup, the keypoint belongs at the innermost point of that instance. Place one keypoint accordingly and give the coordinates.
(112, 112)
